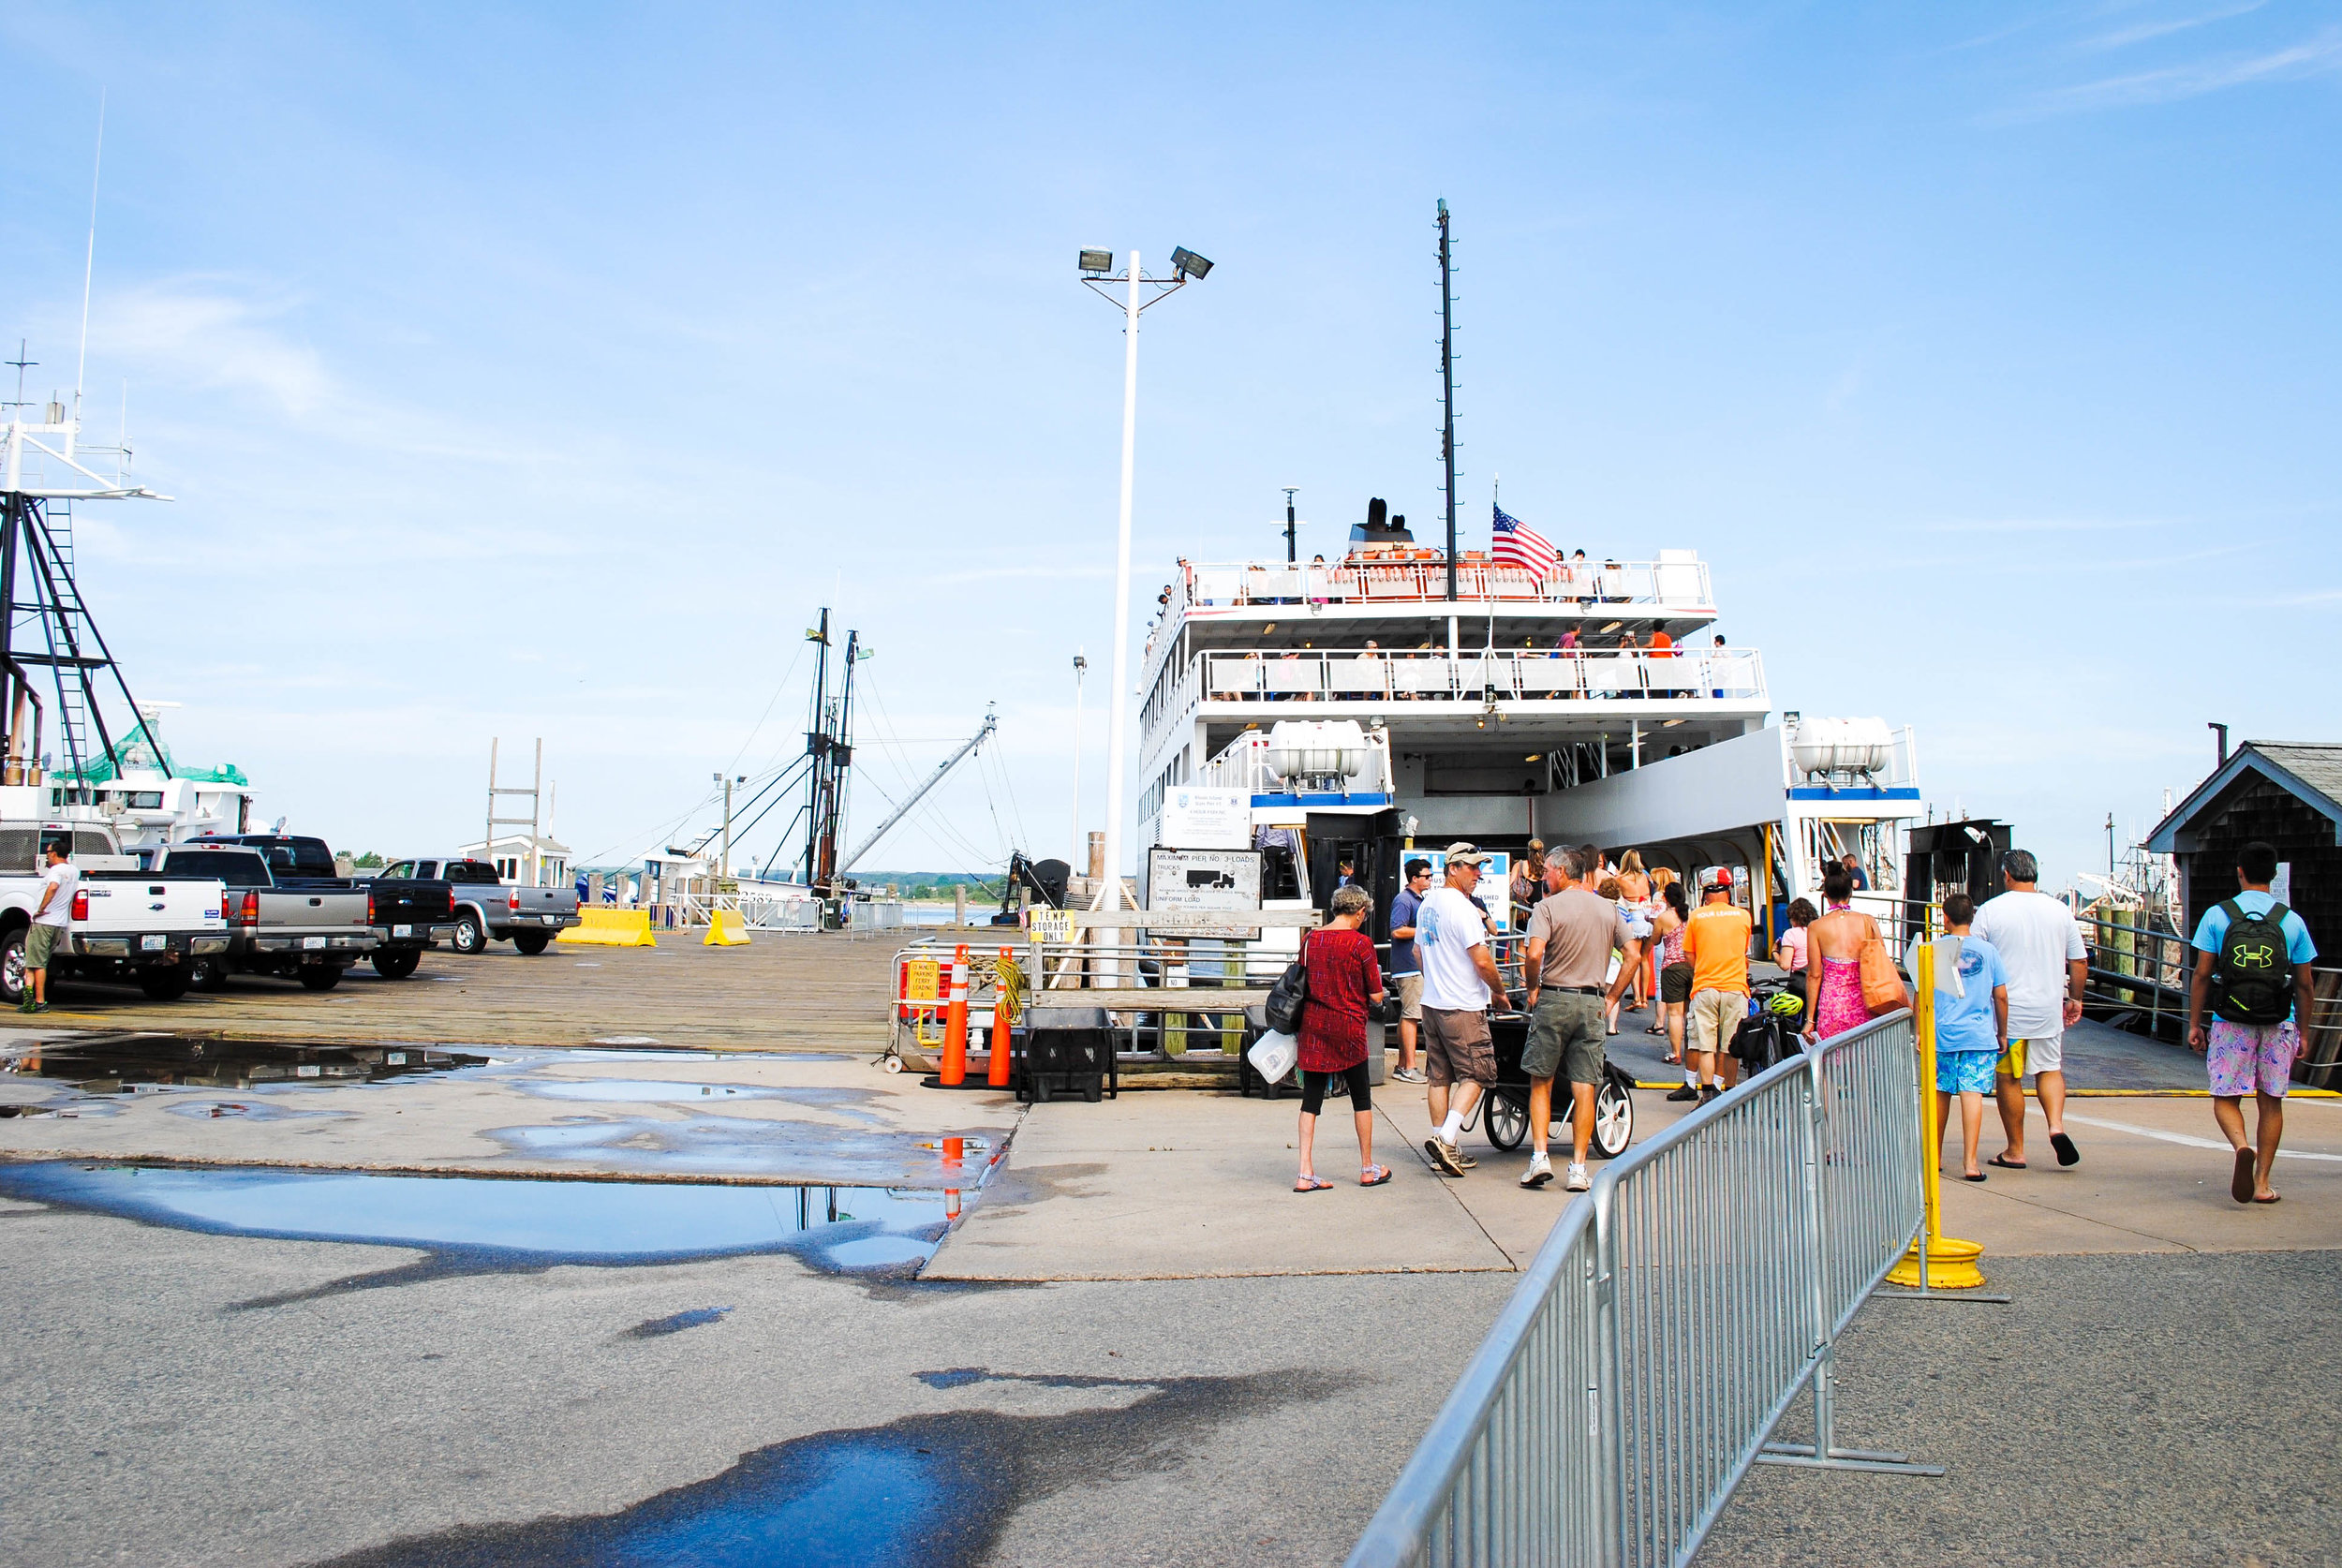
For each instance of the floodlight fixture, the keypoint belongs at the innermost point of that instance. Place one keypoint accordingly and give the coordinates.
(1188, 264)
(1097, 262)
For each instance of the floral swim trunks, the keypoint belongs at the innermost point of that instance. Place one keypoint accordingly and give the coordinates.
(2245, 1059)
(1965, 1072)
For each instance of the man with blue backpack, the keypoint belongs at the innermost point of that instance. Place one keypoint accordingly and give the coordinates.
(2252, 969)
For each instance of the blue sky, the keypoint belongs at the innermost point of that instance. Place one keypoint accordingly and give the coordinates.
(528, 372)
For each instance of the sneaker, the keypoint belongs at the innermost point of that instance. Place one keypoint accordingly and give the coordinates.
(1708, 1092)
(1444, 1157)
(1540, 1170)
(26, 1005)
(1462, 1159)
(1576, 1181)
(1411, 1076)
(1689, 1091)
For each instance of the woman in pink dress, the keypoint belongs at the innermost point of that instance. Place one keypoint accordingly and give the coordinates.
(1344, 979)
(1833, 962)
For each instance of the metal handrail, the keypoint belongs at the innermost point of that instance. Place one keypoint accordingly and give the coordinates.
(1559, 675)
(1603, 1419)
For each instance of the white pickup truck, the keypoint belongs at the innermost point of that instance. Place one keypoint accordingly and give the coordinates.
(127, 926)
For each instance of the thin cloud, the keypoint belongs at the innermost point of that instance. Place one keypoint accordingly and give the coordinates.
(2312, 57)
(2123, 38)
(2042, 525)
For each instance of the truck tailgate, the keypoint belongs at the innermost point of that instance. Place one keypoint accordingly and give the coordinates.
(136, 903)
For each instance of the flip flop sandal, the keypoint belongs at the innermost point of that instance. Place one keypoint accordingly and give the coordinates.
(2241, 1184)
(2270, 1199)
(2067, 1153)
(1312, 1184)
(1382, 1175)
(2006, 1165)
(1964, 1177)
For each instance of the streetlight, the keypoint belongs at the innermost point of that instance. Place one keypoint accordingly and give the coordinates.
(1096, 268)
(1081, 668)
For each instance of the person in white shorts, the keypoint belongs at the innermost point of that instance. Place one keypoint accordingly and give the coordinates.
(2041, 946)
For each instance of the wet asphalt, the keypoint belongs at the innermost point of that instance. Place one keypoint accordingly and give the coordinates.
(171, 1396)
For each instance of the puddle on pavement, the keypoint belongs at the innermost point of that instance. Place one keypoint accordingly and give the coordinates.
(644, 1091)
(476, 1222)
(117, 1064)
(924, 1489)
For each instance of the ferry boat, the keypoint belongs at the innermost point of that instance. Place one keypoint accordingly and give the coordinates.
(1352, 711)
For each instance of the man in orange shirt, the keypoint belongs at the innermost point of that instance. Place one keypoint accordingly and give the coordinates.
(1715, 940)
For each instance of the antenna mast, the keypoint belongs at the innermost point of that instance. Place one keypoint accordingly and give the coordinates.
(89, 270)
(1448, 388)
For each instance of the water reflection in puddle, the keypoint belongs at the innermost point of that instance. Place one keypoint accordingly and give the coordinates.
(644, 1091)
(116, 1064)
(532, 1222)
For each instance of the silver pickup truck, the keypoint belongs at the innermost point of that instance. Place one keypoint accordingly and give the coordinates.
(310, 933)
(489, 909)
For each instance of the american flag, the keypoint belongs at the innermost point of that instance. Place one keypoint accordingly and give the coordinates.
(1519, 546)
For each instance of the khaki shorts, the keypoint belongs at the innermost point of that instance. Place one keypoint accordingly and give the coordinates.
(40, 942)
(1457, 1047)
(1568, 1032)
(1409, 989)
(1714, 1016)
(2043, 1053)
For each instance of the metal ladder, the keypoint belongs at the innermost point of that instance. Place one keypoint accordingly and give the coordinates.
(70, 634)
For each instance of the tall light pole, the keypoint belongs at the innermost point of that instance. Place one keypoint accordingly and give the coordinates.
(728, 781)
(1081, 668)
(1096, 266)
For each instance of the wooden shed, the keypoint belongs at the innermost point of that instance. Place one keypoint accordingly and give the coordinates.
(2289, 796)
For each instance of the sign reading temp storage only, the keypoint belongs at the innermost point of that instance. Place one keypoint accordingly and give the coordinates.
(1193, 887)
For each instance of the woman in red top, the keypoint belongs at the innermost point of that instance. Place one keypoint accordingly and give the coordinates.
(1343, 978)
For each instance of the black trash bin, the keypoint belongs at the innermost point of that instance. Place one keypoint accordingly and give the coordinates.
(1066, 1051)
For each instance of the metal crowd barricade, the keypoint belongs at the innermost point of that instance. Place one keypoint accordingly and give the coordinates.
(1659, 1336)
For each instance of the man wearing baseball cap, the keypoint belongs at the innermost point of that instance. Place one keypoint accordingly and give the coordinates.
(1451, 944)
(1715, 941)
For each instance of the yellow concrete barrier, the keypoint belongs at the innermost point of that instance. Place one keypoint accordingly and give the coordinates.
(611, 928)
(726, 928)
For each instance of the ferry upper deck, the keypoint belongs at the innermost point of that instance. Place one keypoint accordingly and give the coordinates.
(1616, 658)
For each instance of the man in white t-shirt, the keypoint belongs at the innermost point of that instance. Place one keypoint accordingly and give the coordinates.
(2041, 946)
(1451, 944)
(51, 918)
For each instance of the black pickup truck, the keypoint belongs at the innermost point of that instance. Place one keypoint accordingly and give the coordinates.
(408, 915)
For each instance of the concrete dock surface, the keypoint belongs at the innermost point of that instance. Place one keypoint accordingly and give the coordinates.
(1138, 1345)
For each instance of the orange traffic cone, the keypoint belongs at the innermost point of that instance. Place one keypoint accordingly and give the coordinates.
(955, 1024)
(996, 1074)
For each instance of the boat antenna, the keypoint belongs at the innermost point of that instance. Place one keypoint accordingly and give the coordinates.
(1290, 490)
(1447, 388)
(89, 269)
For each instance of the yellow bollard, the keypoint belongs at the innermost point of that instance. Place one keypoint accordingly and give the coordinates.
(1950, 1264)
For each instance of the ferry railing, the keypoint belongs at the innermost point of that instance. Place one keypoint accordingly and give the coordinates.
(2139, 967)
(1607, 1418)
(1342, 676)
(1674, 584)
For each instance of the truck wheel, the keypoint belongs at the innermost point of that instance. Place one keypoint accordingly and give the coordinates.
(469, 937)
(164, 982)
(396, 963)
(531, 942)
(12, 966)
(320, 977)
(208, 974)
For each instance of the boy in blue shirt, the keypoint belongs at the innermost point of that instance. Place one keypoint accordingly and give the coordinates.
(2251, 1057)
(1971, 1031)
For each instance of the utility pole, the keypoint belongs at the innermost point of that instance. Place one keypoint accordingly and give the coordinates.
(1291, 544)
(1447, 391)
(728, 781)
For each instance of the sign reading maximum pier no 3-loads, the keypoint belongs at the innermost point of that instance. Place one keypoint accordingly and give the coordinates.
(1193, 885)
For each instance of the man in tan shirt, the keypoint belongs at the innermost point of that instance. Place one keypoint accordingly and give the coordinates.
(1571, 937)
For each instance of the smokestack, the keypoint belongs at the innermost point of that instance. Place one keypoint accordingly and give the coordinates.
(2221, 731)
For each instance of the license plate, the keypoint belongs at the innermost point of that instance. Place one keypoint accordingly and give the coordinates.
(312, 942)
(309, 1070)
(550, 920)
(402, 930)
(394, 1059)
(153, 944)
